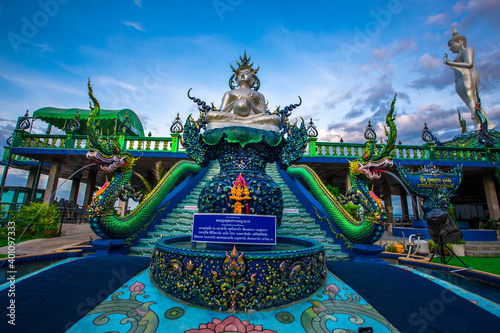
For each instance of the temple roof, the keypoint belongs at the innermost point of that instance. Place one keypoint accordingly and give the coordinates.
(110, 120)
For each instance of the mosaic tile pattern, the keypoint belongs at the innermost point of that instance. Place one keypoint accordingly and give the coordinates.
(139, 307)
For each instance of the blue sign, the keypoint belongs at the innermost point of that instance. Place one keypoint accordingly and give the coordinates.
(234, 229)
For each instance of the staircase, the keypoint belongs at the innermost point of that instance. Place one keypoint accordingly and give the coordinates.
(295, 223)
(301, 224)
(180, 221)
(482, 249)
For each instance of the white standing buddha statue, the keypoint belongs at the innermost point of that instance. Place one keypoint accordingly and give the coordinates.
(466, 77)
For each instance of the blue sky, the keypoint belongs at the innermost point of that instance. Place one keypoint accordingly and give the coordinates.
(346, 59)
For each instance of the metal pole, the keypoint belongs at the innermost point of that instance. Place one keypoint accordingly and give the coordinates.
(6, 169)
(37, 181)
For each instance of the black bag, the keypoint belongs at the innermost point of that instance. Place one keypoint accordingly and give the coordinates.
(440, 224)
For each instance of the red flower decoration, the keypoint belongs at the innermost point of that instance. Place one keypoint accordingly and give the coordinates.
(230, 324)
(137, 286)
(332, 288)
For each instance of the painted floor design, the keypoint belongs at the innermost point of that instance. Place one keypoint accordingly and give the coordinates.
(487, 305)
(138, 306)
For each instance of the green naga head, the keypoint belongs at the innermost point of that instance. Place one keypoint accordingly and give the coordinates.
(105, 151)
(373, 159)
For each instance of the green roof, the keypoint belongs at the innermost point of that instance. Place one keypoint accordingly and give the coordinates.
(110, 120)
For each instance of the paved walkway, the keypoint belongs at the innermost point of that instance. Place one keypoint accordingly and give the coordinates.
(72, 235)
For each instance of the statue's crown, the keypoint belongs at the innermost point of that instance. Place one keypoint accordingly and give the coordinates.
(245, 64)
(457, 38)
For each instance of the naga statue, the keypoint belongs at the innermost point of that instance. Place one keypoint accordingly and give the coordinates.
(112, 158)
(244, 136)
(368, 167)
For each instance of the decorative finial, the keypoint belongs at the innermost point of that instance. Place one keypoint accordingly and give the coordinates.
(177, 125)
(312, 132)
(370, 134)
(125, 125)
(427, 136)
(74, 124)
(25, 123)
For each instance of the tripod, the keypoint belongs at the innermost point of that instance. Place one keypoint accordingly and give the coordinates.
(440, 251)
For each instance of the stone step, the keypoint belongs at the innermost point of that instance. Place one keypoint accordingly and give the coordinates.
(482, 247)
(165, 228)
(297, 226)
(141, 251)
(297, 219)
(337, 256)
(483, 243)
(173, 220)
(482, 253)
(182, 211)
(183, 204)
(155, 235)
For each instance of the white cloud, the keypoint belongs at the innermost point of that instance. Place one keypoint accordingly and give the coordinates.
(138, 3)
(438, 19)
(431, 36)
(460, 7)
(107, 81)
(430, 63)
(395, 48)
(44, 47)
(136, 25)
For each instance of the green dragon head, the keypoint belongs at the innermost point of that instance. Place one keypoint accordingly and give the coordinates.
(105, 151)
(374, 159)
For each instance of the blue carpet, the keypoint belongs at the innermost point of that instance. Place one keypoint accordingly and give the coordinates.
(55, 299)
(413, 303)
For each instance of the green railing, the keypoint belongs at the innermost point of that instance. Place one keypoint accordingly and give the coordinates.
(163, 144)
(315, 149)
(61, 141)
(407, 152)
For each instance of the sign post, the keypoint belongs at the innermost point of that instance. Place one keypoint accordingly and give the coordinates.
(234, 229)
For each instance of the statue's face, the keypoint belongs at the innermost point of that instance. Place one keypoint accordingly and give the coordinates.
(245, 75)
(455, 47)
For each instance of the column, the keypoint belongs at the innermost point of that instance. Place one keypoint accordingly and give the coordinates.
(5, 169)
(404, 205)
(75, 188)
(31, 177)
(89, 191)
(348, 184)
(122, 207)
(386, 188)
(414, 207)
(55, 169)
(36, 181)
(420, 201)
(491, 196)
